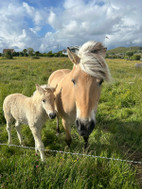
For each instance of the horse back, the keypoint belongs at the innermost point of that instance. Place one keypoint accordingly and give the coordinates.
(57, 76)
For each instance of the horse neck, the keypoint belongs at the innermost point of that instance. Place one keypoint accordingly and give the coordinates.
(66, 91)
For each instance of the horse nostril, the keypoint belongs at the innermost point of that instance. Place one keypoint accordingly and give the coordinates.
(78, 124)
(52, 115)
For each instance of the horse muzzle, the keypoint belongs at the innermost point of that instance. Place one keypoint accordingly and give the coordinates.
(85, 127)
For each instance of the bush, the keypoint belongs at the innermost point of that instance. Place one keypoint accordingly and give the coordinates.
(35, 57)
(50, 54)
(8, 55)
(136, 57)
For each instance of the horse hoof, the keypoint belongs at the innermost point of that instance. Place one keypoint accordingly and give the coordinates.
(68, 142)
(57, 133)
(85, 145)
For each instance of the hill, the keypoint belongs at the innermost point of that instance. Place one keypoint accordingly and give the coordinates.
(119, 50)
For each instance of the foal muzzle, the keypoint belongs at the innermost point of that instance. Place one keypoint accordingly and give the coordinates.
(85, 127)
(52, 115)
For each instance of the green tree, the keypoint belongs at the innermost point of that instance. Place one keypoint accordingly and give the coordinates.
(25, 52)
(30, 51)
(37, 53)
(21, 54)
(129, 54)
(136, 57)
(9, 55)
(50, 54)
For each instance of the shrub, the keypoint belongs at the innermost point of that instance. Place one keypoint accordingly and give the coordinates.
(35, 57)
(8, 55)
(136, 57)
(129, 54)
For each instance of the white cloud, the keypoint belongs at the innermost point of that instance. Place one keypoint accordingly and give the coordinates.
(51, 17)
(24, 25)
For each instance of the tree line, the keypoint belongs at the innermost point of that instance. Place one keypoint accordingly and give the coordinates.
(31, 53)
(128, 55)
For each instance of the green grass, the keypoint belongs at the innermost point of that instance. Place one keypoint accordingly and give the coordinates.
(118, 133)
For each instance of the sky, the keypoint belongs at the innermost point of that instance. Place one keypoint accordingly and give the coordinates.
(46, 25)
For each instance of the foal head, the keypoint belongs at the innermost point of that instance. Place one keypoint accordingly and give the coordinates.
(47, 99)
(89, 71)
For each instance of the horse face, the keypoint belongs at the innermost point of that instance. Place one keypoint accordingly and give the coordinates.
(87, 91)
(48, 99)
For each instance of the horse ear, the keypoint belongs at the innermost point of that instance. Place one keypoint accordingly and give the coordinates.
(73, 57)
(39, 89)
(104, 52)
(53, 88)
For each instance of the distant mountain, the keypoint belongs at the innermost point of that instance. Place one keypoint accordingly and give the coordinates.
(120, 50)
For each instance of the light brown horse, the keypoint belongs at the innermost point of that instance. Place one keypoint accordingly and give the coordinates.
(78, 90)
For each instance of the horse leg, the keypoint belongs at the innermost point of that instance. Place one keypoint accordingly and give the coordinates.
(67, 131)
(57, 125)
(18, 129)
(38, 142)
(86, 142)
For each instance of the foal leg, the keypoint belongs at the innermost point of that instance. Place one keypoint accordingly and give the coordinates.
(8, 128)
(18, 129)
(36, 147)
(38, 143)
(67, 131)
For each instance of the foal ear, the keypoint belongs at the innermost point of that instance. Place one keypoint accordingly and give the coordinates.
(73, 57)
(53, 89)
(39, 89)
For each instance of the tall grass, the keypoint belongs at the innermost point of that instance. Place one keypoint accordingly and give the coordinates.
(118, 132)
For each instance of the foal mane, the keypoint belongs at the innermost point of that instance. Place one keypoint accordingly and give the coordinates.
(44, 87)
(92, 60)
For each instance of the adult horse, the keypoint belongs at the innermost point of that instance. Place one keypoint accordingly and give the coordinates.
(78, 90)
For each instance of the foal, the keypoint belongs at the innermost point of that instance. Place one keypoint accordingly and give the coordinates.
(32, 111)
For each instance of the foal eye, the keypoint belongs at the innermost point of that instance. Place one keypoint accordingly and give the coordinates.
(73, 81)
(44, 100)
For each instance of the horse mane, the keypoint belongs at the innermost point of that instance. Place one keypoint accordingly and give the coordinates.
(92, 60)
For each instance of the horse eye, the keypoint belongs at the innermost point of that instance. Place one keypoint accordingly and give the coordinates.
(73, 81)
(44, 100)
(101, 81)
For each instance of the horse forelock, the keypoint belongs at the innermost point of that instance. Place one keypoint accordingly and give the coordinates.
(92, 61)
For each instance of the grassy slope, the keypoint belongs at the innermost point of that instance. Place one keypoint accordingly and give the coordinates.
(124, 49)
(118, 133)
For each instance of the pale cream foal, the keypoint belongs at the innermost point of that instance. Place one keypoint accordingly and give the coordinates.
(32, 111)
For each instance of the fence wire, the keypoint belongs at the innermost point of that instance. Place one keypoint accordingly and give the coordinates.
(73, 153)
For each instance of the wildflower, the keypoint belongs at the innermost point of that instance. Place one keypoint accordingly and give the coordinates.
(37, 166)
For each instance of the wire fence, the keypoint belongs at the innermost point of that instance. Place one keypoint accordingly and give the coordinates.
(74, 153)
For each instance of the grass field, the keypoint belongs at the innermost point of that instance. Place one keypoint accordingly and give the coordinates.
(118, 133)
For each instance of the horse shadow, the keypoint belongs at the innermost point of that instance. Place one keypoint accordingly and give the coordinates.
(119, 138)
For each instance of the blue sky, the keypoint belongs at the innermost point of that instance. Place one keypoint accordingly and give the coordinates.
(53, 25)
